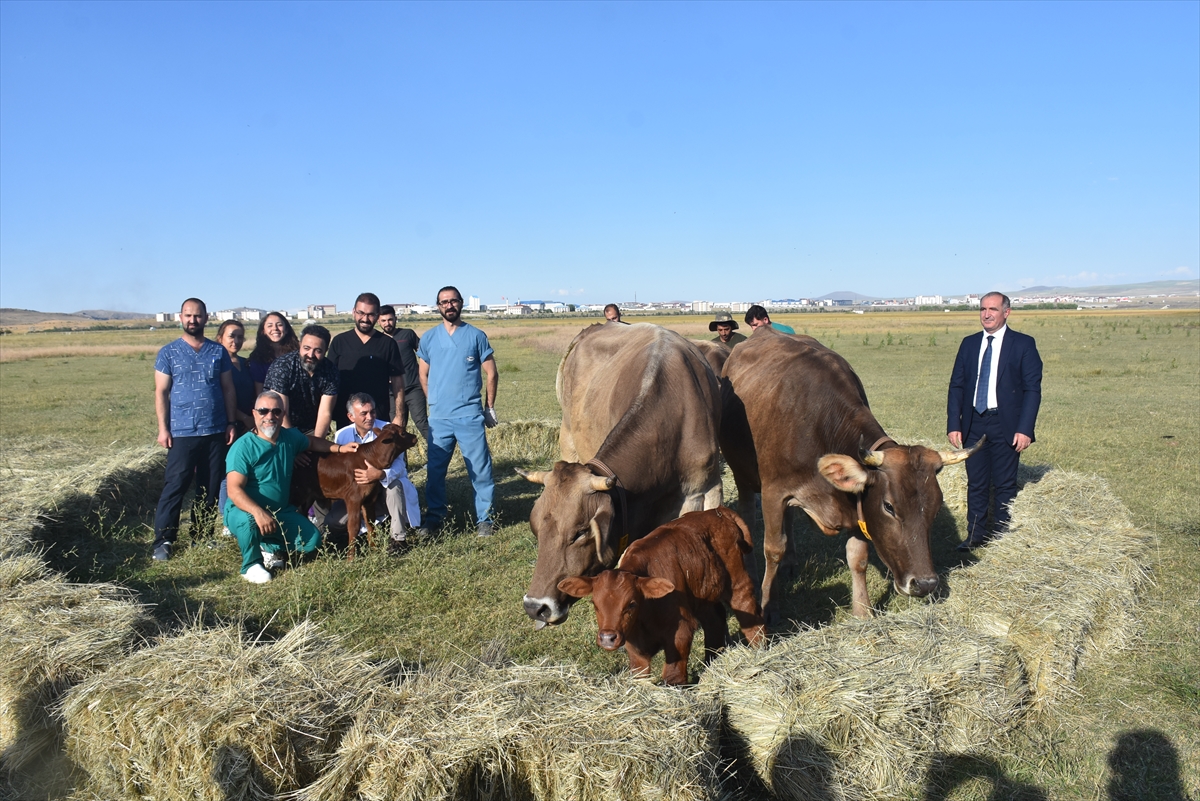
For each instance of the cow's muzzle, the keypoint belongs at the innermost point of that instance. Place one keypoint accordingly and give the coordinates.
(918, 587)
(609, 640)
(544, 611)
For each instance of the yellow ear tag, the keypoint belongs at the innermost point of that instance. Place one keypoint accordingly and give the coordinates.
(862, 526)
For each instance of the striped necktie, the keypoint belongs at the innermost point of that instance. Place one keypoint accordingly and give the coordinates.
(985, 375)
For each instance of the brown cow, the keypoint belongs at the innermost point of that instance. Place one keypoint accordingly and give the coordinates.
(797, 428)
(679, 578)
(331, 475)
(640, 413)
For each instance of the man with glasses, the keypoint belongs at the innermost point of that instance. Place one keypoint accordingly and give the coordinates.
(367, 361)
(399, 496)
(307, 382)
(195, 402)
(454, 357)
(259, 512)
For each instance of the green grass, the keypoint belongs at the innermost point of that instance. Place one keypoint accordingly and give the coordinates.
(1121, 398)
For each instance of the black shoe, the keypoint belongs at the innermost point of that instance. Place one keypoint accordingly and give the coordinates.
(162, 552)
(484, 530)
(430, 529)
(972, 543)
(399, 547)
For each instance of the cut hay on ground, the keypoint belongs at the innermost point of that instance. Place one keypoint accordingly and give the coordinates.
(529, 732)
(209, 714)
(1063, 584)
(856, 710)
(53, 634)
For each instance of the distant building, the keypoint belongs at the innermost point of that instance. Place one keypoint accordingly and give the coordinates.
(317, 311)
(518, 309)
(740, 306)
(929, 300)
(472, 303)
(701, 306)
(166, 317)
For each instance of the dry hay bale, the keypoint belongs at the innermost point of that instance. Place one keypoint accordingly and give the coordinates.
(209, 714)
(858, 709)
(530, 442)
(1063, 583)
(527, 732)
(53, 634)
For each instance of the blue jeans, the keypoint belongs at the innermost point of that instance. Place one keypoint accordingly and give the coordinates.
(200, 457)
(468, 432)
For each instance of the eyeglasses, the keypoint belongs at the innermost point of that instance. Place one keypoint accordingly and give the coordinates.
(357, 313)
(453, 302)
(272, 412)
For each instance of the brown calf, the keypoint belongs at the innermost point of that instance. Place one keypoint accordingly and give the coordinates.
(678, 578)
(331, 475)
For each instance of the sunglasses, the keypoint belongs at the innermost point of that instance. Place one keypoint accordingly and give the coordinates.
(275, 412)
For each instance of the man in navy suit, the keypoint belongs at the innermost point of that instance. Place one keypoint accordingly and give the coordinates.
(995, 390)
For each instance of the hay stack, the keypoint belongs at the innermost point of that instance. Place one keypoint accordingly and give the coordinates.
(1062, 584)
(53, 634)
(528, 732)
(856, 710)
(210, 715)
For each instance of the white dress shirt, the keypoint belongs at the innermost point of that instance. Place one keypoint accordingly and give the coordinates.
(997, 342)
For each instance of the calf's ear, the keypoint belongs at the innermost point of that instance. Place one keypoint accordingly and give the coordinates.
(843, 472)
(655, 587)
(576, 586)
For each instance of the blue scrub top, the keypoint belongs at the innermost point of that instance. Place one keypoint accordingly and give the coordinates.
(455, 370)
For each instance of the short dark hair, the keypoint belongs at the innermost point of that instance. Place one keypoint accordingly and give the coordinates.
(360, 398)
(388, 309)
(1005, 303)
(756, 312)
(367, 297)
(318, 331)
(612, 306)
(197, 301)
(230, 323)
(448, 289)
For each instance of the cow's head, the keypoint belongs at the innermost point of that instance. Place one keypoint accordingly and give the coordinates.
(573, 522)
(900, 498)
(617, 596)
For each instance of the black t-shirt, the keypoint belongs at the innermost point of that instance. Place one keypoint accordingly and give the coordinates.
(408, 342)
(364, 367)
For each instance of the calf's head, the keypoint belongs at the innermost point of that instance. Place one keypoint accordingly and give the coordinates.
(573, 524)
(900, 498)
(617, 597)
(392, 441)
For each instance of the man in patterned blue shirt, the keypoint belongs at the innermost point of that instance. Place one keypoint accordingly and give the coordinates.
(195, 402)
(454, 357)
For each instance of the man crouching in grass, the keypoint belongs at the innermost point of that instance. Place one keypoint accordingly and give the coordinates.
(258, 511)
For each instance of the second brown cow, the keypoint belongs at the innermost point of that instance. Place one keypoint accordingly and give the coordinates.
(677, 579)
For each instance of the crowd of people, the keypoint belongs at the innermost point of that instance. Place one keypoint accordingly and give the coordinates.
(234, 427)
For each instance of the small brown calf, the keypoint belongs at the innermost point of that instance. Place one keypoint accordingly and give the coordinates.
(331, 475)
(676, 579)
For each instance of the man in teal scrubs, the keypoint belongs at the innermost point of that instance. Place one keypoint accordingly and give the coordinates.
(757, 317)
(454, 357)
(259, 512)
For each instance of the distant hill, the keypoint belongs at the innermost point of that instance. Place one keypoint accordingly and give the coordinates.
(1132, 290)
(851, 296)
(30, 316)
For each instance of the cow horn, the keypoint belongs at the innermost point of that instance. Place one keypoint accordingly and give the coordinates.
(872, 458)
(954, 457)
(602, 484)
(536, 476)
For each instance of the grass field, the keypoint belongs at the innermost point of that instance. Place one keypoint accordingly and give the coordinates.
(1121, 398)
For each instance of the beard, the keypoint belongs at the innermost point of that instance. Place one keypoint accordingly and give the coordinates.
(450, 314)
(309, 364)
(364, 326)
(194, 329)
(268, 431)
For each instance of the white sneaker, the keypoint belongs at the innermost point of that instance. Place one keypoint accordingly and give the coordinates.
(272, 561)
(257, 574)
(225, 532)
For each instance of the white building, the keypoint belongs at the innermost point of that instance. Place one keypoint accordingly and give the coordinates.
(929, 300)
(702, 305)
(166, 317)
(518, 309)
(472, 303)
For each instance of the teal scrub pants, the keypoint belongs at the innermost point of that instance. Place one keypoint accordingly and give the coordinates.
(296, 533)
(468, 433)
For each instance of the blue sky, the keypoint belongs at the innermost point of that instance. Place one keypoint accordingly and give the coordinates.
(279, 154)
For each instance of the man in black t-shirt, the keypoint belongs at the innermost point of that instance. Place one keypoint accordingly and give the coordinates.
(367, 361)
(408, 341)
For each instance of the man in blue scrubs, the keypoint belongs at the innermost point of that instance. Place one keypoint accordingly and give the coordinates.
(454, 357)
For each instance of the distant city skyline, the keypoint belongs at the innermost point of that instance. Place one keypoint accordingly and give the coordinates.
(279, 154)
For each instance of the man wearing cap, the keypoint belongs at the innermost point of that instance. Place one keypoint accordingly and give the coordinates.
(726, 326)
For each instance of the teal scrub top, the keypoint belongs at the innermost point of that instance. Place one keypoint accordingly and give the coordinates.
(266, 466)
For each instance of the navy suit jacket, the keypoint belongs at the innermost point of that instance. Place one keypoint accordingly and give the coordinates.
(1018, 385)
